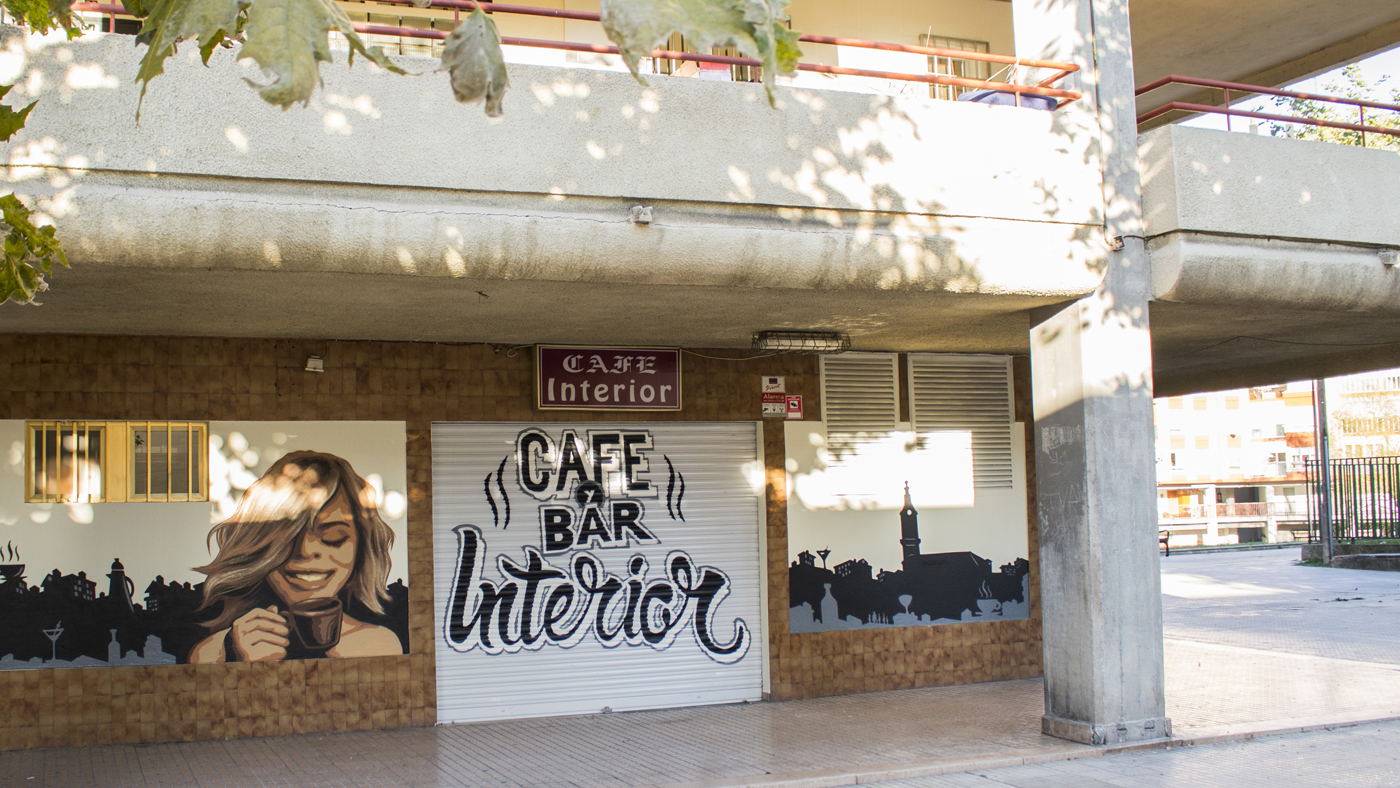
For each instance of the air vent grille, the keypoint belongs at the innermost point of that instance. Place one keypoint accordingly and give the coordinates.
(964, 392)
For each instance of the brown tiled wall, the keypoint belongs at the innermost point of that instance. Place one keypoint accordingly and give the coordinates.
(72, 377)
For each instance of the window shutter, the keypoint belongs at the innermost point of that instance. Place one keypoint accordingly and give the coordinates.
(962, 392)
(860, 399)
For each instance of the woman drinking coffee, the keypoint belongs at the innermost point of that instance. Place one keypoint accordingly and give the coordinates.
(305, 541)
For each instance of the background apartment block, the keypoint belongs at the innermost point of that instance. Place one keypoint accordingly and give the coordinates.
(1232, 465)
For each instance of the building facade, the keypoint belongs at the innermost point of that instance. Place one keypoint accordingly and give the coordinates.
(1232, 466)
(297, 383)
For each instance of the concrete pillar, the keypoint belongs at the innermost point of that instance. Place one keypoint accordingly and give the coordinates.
(1270, 514)
(1101, 602)
(1212, 512)
(1092, 379)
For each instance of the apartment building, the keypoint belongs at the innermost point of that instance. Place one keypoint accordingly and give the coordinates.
(1232, 466)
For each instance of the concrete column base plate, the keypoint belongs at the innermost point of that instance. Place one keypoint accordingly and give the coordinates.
(1108, 732)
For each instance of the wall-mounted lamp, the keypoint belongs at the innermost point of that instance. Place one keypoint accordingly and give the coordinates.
(801, 342)
(315, 364)
(1389, 257)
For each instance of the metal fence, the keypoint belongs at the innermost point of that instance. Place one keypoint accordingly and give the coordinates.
(1365, 498)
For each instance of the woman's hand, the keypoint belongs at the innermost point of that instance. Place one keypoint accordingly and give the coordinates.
(260, 635)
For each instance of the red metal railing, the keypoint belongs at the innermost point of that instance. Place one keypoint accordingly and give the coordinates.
(1041, 88)
(1235, 87)
(1225, 510)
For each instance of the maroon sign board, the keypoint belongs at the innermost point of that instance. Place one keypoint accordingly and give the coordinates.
(607, 378)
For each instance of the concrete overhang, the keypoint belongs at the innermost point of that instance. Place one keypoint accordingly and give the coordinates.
(1272, 259)
(1264, 42)
(386, 210)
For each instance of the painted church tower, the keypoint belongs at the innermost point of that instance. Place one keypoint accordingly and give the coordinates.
(909, 526)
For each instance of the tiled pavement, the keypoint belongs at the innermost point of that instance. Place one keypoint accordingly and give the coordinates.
(1251, 639)
(1365, 756)
(1261, 600)
(613, 750)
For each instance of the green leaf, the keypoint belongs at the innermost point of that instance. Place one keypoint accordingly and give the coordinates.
(137, 8)
(44, 15)
(473, 59)
(288, 38)
(11, 121)
(753, 26)
(171, 21)
(773, 37)
(30, 253)
(60, 12)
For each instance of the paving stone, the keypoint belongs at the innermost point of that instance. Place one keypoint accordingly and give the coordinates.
(1366, 756)
(1254, 637)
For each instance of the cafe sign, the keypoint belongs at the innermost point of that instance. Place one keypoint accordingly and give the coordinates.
(607, 378)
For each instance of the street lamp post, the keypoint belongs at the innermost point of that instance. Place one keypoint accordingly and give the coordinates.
(1324, 456)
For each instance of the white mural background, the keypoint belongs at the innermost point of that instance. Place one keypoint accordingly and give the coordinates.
(847, 564)
(854, 511)
(169, 539)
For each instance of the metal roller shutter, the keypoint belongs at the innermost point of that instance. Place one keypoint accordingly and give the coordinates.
(693, 492)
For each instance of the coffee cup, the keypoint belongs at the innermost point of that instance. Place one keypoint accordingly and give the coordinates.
(316, 622)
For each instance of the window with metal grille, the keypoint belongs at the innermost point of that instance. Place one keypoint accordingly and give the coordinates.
(116, 461)
(165, 461)
(860, 400)
(951, 392)
(955, 66)
(64, 462)
(686, 68)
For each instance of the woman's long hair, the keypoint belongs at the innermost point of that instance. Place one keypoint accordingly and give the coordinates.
(269, 522)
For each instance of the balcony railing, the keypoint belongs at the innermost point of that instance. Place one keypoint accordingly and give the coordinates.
(1043, 87)
(1227, 510)
(1240, 90)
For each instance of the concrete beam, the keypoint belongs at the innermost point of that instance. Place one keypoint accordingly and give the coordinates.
(165, 222)
(1228, 271)
(1272, 259)
(1322, 363)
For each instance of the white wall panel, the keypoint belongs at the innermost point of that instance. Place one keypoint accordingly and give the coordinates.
(702, 503)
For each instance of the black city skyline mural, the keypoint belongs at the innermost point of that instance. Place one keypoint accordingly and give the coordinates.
(928, 588)
(71, 620)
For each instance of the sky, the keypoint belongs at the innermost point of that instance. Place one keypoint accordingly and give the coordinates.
(1373, 68)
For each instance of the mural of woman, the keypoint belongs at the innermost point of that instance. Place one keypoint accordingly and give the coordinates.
(305, 540)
